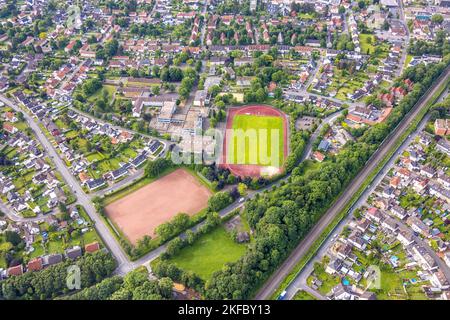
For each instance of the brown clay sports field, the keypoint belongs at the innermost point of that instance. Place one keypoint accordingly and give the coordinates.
(139, 213)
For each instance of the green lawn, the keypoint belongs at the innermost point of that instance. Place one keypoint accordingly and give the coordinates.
(38, 250)
(392, 286)
(309, 165)
(408, 60)
(71, 134)
(2, 262)
(303, 295)
(251, 141)
(95, 156)
(55, 246)
(86, 238)
(209, 253)
(108, 165)
(367, 48)
(129, 153)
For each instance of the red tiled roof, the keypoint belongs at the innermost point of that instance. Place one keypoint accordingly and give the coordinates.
(15, 271)
(92, 247)
(35, 264)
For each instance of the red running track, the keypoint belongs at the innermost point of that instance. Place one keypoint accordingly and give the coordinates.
(251, 170)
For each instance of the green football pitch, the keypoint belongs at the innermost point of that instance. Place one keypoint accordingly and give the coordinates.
(256, 140)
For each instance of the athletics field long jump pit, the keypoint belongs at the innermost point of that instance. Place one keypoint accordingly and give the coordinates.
(255, 141)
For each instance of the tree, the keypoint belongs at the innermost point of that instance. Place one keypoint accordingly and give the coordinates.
(278, 93)
(165, 286)
(13, 237)
(260, 95)
(62, 207)
(437, 18)
(156, 90)
(91, 86)
(155, 168)
(111, 48)
(242, 189)
(164, 230)
(5, 247)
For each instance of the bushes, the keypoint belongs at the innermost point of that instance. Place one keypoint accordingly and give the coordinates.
(100, 291)
(219, 201)
(166, 231)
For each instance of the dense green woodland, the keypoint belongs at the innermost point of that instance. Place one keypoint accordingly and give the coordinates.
(51, 282)
(440, 46)
(134, 286)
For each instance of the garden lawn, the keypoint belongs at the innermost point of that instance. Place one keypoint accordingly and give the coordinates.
(310, 165)
(3, 264)
(95, 156)
(85, 238)
(367, 48)
(38, 250)
(408, 60)
(392, 286)
(249, 151)
(209, 253)
(55, 246)
(98, 94)
(71, 134)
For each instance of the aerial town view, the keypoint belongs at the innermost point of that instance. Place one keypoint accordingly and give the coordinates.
(206, 150)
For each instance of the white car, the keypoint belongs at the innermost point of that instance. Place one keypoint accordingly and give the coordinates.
(241, 200)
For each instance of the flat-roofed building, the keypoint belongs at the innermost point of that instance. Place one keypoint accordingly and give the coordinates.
(167, 110)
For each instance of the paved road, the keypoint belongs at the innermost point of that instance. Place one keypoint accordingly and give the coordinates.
(331, 118)
(145, 260)
(82, 198)
(314, 293)
(128, 180)
(300, 281)
(124, 264)
(234, 206)
(145, 135)
(307, 94)
(205, 22)
(14, 217)
(406, 42)
(272, 284)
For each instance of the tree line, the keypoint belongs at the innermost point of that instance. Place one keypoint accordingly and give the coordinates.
(134, 286)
